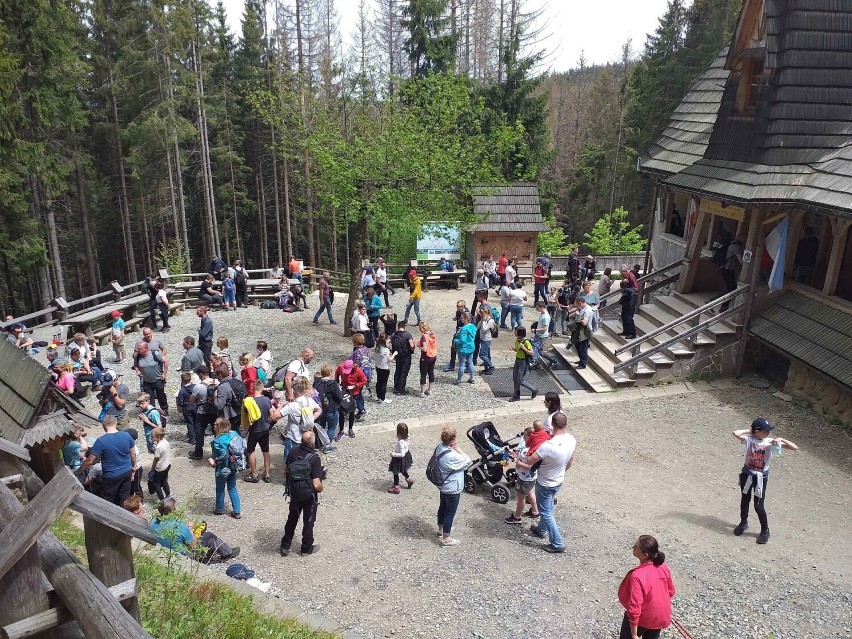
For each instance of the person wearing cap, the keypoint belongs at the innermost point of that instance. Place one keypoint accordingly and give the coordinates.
(117, 336)
(754, 477)
(113, 397)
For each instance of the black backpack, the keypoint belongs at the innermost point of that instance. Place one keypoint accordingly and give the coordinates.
(300, 485)
(240, 277)
(399, 343)
(240, 392)
(433, 468)
(720, 253)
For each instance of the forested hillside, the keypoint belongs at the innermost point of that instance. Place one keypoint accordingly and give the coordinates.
(141, 133)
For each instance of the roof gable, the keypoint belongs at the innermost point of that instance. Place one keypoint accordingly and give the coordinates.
(23, 383)
(508, 208)
(749, 36)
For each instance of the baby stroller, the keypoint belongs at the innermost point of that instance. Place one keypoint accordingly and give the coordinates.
(493, 456)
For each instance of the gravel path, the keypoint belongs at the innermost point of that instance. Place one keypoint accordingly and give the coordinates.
(666, 466)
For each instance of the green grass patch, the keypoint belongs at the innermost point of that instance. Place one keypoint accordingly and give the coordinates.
(180, 605)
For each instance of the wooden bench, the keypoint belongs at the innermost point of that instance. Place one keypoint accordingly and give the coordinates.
(176, 308)
(450, 278)
(133, 324)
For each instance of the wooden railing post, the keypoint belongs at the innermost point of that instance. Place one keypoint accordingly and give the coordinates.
(117, 290)
(61, 311)
(110, 558)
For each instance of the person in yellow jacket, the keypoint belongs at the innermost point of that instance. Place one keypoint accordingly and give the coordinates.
(414, 297)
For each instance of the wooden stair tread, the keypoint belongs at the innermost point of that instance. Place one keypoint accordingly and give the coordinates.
(591, 377)
(659, 316)
(679, 307)
(610, 342)
(678, 349)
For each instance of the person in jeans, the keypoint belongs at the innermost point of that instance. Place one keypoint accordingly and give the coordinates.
(381, 357)
(556, 456)
(161, 464)
(517, 297)
(540, 334)
(523, 350)
(117, 454)
(582, 332)
(324, 299)
(452, 463)
(416, 292)
(465, 343)
(461, 308)
(504, 304)
(329, 396)
(226, 475)
(486, 325)
(152, 368)
(402, 345)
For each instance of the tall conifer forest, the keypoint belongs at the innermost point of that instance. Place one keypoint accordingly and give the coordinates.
(141, 134)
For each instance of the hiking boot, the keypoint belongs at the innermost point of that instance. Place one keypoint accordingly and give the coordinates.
(741, 528)
(284, 550)
(410, 482)
(512, 520)
(339, 436)
(514, 399)
(488, 371)
(763, 537)
(553, 549)
(393, 489)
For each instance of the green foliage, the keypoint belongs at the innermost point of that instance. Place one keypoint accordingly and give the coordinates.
(172, 256)
(613, 234)
(554, 241)
(430, 46)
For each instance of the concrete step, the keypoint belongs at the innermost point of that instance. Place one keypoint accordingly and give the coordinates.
(607, 342)
(662, 316)
(678, 350)
(593, 380)
(680, 307)
(599, 361)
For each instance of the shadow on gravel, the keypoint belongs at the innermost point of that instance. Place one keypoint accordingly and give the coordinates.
(406, 527)
(710, 522)
(269, 539)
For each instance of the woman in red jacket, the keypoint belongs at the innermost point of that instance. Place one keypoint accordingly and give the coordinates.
(646, 593)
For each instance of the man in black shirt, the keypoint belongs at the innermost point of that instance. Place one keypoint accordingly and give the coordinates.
(403, 345)
(205, 333)
(303, 505)
(208, 294)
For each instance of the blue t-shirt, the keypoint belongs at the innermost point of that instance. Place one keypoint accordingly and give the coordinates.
(172, 534)
(114, 451)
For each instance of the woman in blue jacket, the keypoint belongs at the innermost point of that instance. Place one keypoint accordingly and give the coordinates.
(452, 463)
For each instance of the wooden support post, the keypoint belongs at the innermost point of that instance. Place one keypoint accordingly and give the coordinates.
(27, 527)
(839, 229)
(692, 261)
(111, 558)
(61, 311)
(794, 233)
(22, 593)
(754, 243)
(117, 290)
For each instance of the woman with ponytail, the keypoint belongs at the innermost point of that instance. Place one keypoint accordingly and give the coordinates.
(646, 593)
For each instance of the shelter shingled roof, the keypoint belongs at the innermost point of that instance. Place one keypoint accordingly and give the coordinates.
(32, 409)
(811, 331)
(797, 146)
(511, 208)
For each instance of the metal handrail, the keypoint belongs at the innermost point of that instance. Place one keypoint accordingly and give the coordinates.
(638, 357)
(686, 318)
(646, 278)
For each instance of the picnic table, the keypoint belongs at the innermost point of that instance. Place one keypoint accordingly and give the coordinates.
(451, 278)
(83, 322)
(252, 285)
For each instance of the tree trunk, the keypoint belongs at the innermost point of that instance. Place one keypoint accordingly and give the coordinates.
(209, 201)
(278, 244)
(123, 201)
(184, 230)
(45, 290)
(287, 205)
(355, 257)
(264, 240)
(84, 223)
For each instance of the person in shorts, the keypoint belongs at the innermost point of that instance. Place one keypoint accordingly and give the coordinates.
(257, 414)
(526, 477)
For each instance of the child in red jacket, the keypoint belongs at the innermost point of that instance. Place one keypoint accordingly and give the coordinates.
(351, 379)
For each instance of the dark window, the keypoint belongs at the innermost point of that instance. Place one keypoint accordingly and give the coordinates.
(755, 73)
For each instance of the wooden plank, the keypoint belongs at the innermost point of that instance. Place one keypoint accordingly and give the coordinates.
(14, 449)
(12, 479)
(27, 527)
(100, 510)
(111, 558)
(57, 616)
(22, 593)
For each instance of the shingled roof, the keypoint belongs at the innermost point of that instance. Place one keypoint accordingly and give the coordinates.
(32, 409)
(511, 208)
(815, 333)
(797, 146)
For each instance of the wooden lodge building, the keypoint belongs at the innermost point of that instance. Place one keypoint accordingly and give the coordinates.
(764, 137)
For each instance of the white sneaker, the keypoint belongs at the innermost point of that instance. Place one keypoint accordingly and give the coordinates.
(449, 541)
(387, 400)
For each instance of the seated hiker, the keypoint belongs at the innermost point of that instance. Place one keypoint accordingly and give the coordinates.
(185, 538)
(208, 294)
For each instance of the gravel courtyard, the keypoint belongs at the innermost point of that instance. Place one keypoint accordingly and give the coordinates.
(648, 462)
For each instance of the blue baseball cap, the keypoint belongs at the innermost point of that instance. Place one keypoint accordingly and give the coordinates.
(761, 423)
(239, 571)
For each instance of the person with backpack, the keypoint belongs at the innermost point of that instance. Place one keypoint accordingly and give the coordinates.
(263, 360)
(330, 398)
(523, 350)
(446, 470)
(581, 334)
(228, 396)
(297, 368)
(464, 342)
(402, 346)
(351, 379)
(226, 464)
(150, 418)
(301, 415)
(256, 416)
(241, 283)
(303, 477)
(487, 332)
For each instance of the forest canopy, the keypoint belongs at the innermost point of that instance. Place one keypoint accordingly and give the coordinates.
(138, 134)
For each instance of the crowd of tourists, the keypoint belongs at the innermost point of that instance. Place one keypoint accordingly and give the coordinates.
(239, 403)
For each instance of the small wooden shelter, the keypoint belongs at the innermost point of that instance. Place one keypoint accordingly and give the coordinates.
(34, 413)
(511, 222)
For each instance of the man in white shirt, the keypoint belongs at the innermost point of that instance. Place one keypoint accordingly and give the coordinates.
(297, 368)
(556, 456)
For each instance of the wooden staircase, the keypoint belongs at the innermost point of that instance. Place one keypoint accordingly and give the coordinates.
(677, 359)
